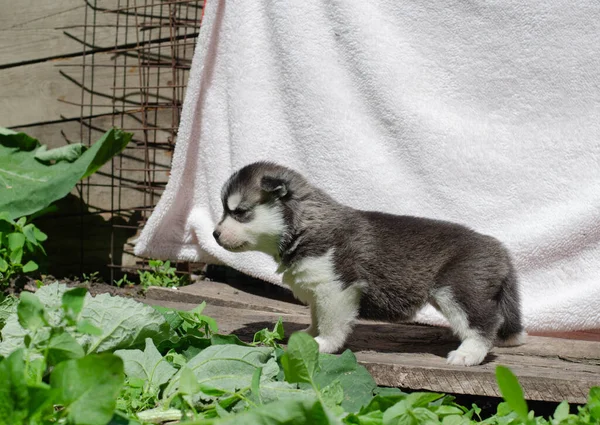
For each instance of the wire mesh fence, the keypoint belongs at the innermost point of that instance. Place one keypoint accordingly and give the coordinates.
(135, 82)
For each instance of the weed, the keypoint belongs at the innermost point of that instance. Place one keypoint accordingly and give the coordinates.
(20, 242)
(160, 274)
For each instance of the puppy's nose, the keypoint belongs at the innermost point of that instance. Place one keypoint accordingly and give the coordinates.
(216, 234)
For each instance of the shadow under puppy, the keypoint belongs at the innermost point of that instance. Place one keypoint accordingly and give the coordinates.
(347, 263)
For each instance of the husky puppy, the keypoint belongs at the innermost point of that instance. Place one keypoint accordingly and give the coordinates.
(348, 264)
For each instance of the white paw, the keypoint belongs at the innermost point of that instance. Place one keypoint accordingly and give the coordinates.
(462, 357)
(311, 330)
(326, 345)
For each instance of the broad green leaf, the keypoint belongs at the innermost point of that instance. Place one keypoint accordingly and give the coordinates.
(85, 327)
(88, 387)
(125, 324)
(357, 382)
(63, 347)
(511, 391)
(72, 301)
(31, 266)
(14, 395)
(29, 185)
(227, 368)
(41, 397)
(333, 394)
(301, 359)
(285, 412)
(31, 312)
(148, 365)
(188, 383)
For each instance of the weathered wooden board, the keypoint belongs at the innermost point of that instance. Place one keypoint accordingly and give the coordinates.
(52, 90)
(34, 30)
(413, 356)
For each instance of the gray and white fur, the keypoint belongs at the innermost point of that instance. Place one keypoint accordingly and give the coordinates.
(348, 264)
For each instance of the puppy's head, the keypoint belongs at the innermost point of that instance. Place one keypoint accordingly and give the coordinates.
(253, 208)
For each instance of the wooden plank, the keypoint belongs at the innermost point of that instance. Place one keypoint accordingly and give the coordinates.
(413, 357)
(52, 91)
(34, 30)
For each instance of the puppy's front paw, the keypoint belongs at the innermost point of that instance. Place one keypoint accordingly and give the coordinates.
(311, 330)
(326, 345)
(462, 357)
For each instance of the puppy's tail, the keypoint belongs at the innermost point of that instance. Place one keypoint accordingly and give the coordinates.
(511, 330)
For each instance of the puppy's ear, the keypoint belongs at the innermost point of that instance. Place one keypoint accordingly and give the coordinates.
(274, 185)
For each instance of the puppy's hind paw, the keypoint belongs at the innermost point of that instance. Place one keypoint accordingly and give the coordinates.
(326, 345)
(466, 357)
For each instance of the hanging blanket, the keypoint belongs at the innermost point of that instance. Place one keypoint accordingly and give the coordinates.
(486, 113)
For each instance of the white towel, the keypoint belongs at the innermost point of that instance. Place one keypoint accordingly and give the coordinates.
(485, 113)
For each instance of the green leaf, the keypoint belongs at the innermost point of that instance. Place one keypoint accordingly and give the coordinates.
(268, 337)
(14, 396)
(39, 235)
(72, 301)
(15, 241)
(511, 391)
(227, 368)
(35, 370)
(562, 411)
(357, 382)
(285, 412)
(445, 410)
(28, 185)
(333, 394)
(124, 323)
(63, 347)
(3, 265)
(188, 383)
(31, 312)
(421, 399)
(301, 359)
(134, 323)
(148, 365)
(31, 266)
(16, 256)
(88, 387)
(85, 327)
(255, 387)
(218, 339)
(17, 140)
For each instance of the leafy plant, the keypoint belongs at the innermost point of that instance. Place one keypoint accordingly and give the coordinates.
(20, 242)
(160, 274)
(71, 358)
(32, 177)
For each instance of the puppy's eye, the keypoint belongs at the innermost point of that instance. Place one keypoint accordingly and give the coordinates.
(240, 212)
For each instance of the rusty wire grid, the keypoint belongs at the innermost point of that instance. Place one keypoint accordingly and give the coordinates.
(132, 73)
